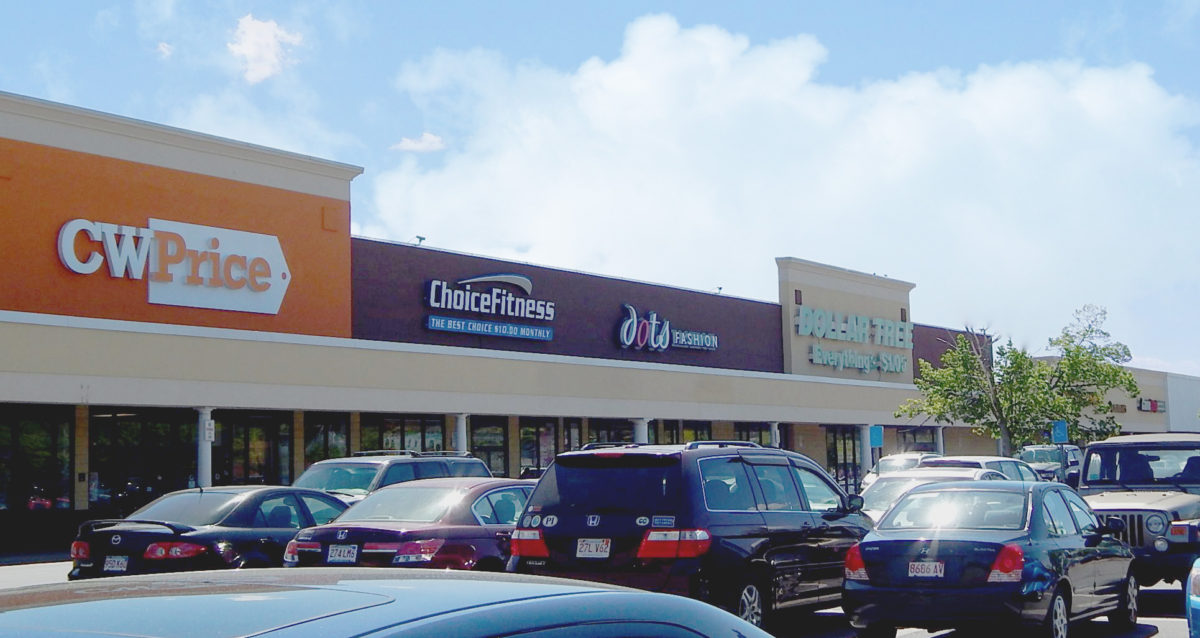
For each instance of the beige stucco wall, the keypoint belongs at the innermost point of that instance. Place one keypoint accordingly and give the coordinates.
(843, 291)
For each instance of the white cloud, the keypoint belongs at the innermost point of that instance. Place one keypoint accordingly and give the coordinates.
(427, 143)
(260, 46)
(1011, 195)
(164, 50)
(234, 116)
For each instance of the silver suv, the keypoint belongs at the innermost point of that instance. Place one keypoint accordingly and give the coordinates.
(352, 478)
(1152, 482)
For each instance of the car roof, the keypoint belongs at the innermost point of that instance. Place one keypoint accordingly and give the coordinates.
(695, 448)
(908, 454)
(938, 471)
(995, 486)
(1174, 437)
(461, 482)
(981, 458)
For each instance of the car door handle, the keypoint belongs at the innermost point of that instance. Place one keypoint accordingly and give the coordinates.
(504, 535)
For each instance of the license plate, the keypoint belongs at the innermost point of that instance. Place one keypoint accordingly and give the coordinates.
(116, 563)
(927, 569)
(593, 547)
(342, 554)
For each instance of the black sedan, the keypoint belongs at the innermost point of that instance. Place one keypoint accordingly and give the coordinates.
(334, 602)
(989, 553)
(443, 523)
(202, 528)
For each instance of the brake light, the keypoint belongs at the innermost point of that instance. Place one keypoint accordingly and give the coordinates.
(162, 551)
(1008, 565)
(674, 543)
(80, 550)
(529, 543)
(421, 551)
(292, 553)
(856, 569)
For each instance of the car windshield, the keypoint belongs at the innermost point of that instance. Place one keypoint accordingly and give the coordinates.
(1146, 465)
(189, 508)
(958, 509)
(888, 490)
(1041, 455)
(624, 482)
(405, 503)
(896, 463)
(345, 478)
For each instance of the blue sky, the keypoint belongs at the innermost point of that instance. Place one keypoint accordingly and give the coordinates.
(1015, 160)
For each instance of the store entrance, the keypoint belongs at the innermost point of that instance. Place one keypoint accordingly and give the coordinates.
(252, 448)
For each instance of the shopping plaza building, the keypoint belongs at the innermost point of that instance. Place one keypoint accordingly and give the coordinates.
(178, 309)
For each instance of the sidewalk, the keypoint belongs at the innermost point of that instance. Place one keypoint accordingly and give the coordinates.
(25, 559)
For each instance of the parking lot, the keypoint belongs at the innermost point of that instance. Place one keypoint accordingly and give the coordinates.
(1162, 611)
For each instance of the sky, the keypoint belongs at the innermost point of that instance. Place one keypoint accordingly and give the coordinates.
(1014, 160)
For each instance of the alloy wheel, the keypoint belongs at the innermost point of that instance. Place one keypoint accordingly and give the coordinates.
(1059, 626)
(750, 607)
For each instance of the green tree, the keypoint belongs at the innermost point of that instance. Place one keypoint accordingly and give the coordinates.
(1016, 397)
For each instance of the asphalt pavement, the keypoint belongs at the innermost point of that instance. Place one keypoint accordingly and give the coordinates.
(1161, 611)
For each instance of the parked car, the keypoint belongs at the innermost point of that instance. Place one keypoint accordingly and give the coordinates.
(882, 494)
(747, 528)
(1053, 462)
(1014, 469)
(990, 553)
(447, 523)
(1191, 595)
(894, 463)
(1152, 482)
(343, 602)
(202, 528)
(352, 478)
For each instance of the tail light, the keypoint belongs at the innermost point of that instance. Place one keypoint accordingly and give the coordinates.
(162, 551)
(529, 543)
(1008, 565)
(80, 550)
(856, 569)
(421, 551)
(292, 553)
(675, 543)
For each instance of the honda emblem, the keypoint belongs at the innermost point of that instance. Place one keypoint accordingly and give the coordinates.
(593, 520)
(342, 534)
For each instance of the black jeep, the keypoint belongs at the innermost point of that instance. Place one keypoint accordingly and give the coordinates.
(747, 528)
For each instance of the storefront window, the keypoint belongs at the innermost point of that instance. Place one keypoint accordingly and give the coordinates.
(842, 455)
(489, 441)
(138, 454)
(325, 436)
(676, 432)
(417, 432)
(759, 433)
(572, 434)
(252, 448)
(610, 431)
(917, 439)
(35, 457)
(539, 442)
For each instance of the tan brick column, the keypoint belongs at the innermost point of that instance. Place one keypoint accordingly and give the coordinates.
(297, 443)
(81, 455)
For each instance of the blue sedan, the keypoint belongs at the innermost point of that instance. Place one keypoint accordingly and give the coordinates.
(1192, 594)
(986, 553)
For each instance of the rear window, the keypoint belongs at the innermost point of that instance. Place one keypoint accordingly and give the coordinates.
(347, 478)
(407, 502)
(468, 468)
(896, 464)
(949, 463)
(958, 509)
(189, 508)
(624, 482)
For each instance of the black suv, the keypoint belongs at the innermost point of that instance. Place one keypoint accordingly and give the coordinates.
(352, 478)
(744, 527)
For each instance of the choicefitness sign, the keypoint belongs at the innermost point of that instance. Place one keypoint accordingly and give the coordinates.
(468, 296)
(854, 328)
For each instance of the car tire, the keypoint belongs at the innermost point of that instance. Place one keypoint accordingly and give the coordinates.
(1058, 617)
(876, 631)
(750, 603)
(1126, 615)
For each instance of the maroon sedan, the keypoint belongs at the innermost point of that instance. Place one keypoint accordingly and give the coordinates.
(455, 523)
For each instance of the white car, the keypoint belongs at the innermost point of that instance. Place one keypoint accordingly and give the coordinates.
(888, 489)
(895, 463)
(1014, 469)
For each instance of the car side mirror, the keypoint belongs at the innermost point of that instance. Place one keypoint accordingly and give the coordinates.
(854, 503)
(1112, 525)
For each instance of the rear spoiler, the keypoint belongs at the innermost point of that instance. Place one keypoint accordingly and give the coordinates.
(92, 526)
